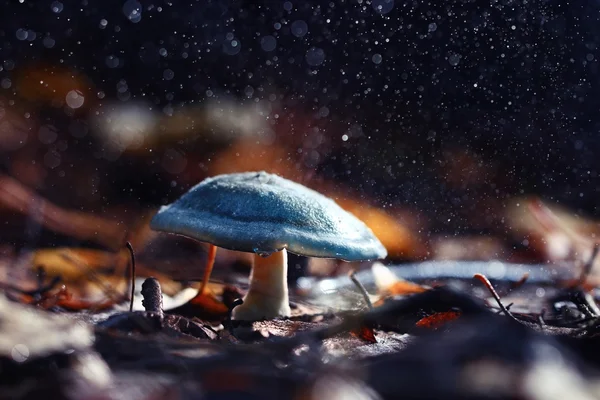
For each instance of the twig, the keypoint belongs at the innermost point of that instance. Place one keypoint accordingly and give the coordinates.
(585, 271)
(507, 307)
(361, 288)
(130, 248)
(489, 286)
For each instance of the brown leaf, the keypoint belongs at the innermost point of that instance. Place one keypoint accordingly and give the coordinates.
(210, 304)
(438, 320)
(18, 198)
(365, 333)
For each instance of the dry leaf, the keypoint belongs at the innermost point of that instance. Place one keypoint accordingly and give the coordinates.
(389, 284)
(18, 198)
(209, 303)
(364, 333)
(438, 320)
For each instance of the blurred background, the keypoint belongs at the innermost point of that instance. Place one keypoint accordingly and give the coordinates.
(455, 129)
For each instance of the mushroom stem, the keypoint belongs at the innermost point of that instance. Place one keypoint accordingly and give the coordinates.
(210, 262)
(267, 296)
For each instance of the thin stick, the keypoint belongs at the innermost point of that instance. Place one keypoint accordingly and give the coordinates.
(130, 248)
(585, 271)
(489, 286)
(210, 262)
(361, 288)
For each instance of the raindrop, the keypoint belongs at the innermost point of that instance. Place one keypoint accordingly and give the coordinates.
(103, 23)
(5, 83)
(168, 74)
(377, 58)
(75, 99)
(20, 353)
(47, 134)
(56, 7)
(232, 47)
(432, 27)
(299, 28)
(383, 6)
(454, 59)
(268, 43)
(21, 34)
(315, 56)
(133, 10)
(78, 129)
(174, 161)
(122, 86)
(48, 42)
(162, 51)
(52, 159)
(287, 6)
(112, 61)
(345, 137)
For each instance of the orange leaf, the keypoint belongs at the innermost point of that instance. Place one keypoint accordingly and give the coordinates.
(402, 288)
(437, 320)
(209, 304)
(364, 333)
(388, 283)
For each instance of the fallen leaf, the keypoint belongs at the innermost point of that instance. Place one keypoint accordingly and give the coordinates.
(364, 333)
(83, 265)
(437, 320)
(389, 284)
(18, 198)
(210, 304)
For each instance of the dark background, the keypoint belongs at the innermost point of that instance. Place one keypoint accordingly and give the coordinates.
(516, 82)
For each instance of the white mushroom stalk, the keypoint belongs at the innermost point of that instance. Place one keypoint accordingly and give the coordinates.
(268, 295)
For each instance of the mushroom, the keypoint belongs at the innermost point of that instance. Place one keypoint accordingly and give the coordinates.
(267, 215)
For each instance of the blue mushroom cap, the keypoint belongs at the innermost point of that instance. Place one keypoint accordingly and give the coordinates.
(263, 213)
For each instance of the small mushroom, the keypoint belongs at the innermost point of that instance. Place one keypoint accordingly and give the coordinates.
(267, 215)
